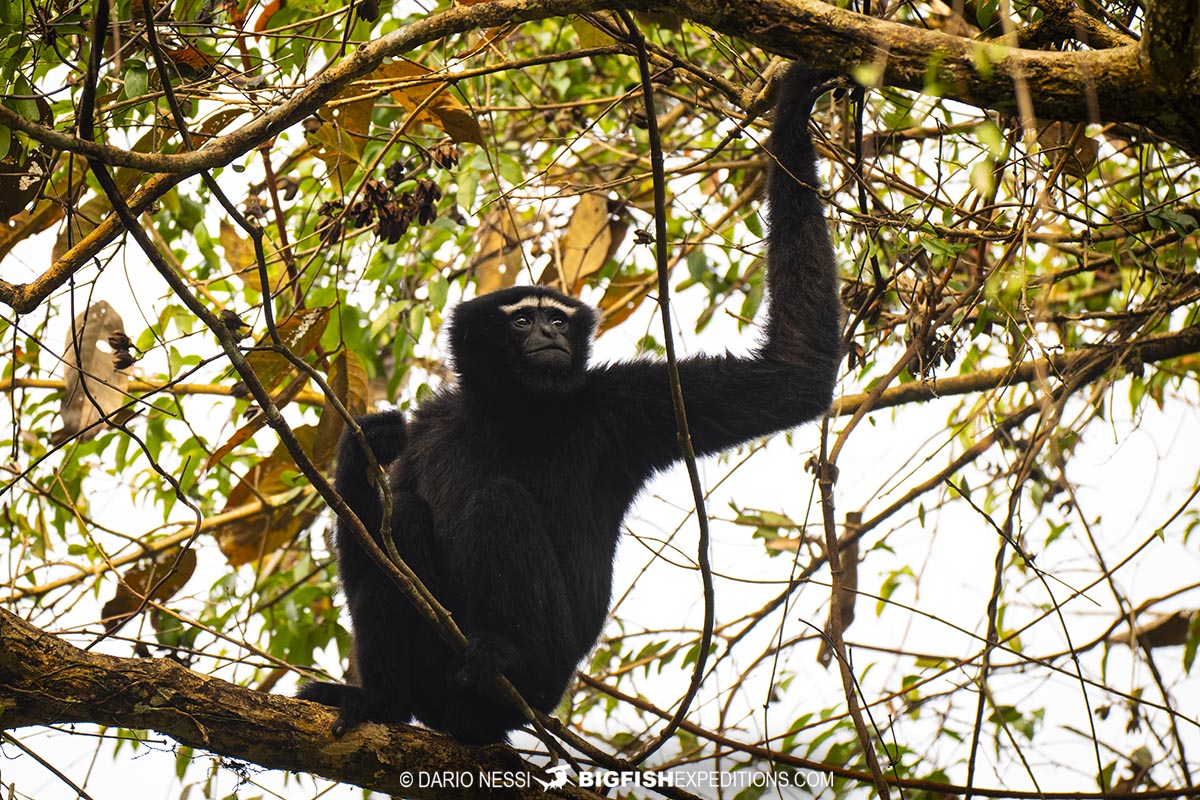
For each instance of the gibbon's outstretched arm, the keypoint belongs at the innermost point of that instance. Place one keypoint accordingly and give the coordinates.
(805, 317)
(789, 379)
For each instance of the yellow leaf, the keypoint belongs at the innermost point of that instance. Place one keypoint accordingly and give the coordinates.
(239, 254)
(592, 237)
(589, 35)
(349, 381)
(283, 515)
(429, 100)
(300, 333)
(345, 125)
(497, 261)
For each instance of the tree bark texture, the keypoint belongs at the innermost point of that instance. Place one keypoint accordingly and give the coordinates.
(46, 681)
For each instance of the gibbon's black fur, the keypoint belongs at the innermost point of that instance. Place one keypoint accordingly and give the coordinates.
(509, 487)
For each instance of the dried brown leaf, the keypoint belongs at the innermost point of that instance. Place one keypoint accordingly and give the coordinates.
(94, 387)
(432, 103)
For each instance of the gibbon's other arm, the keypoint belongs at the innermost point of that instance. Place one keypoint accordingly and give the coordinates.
(789, 379)
(365, 585)
(387, 434)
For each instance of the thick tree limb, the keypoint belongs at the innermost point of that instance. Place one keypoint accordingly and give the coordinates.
(1172, 41)
(45, 681)
(1066, 84)
(1072, 86)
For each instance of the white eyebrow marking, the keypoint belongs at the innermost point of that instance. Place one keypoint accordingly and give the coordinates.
(533, 301)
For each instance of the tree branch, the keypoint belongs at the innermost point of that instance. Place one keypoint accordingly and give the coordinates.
(1066, 84)
(1095, 360)
(149, 387)
(1074, 86)
(1172, 41)
(45, 681)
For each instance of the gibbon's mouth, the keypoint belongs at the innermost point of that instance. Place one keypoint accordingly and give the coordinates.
(554, 347)
(550, 355)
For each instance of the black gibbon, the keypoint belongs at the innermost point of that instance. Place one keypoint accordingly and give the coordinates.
(510, 486)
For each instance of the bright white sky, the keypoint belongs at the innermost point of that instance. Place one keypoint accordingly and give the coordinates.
(1131, 475)
(1129, 478)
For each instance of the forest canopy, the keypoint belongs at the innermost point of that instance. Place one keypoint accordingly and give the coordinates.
(231, 226)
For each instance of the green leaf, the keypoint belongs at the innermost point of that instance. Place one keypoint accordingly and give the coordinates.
(137, 79)
(1193, 641)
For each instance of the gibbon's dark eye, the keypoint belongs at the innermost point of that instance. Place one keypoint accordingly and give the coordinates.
(558, 321)
(522, 320)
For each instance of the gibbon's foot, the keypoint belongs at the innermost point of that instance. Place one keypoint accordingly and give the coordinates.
(354, 704)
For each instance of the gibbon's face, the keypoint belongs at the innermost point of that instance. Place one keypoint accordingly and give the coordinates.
(521, 340)
(540, 330)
